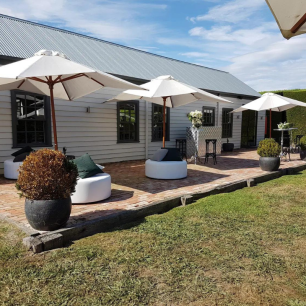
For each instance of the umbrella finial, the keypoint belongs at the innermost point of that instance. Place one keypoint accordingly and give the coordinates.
(51, 53)
(165, 77)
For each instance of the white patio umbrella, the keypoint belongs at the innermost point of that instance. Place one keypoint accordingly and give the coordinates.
(290, 16)
(167, 91)
(51, 73)
(270, 101)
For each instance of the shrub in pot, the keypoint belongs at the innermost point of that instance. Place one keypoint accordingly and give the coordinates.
(47, 179)
(303, 148)
(269, 151)
(228, 146)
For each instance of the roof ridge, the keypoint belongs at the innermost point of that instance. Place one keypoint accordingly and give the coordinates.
(105, 41)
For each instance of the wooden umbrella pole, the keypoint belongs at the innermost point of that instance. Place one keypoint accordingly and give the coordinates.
(50, 83)
(270, 123)
(164, 122)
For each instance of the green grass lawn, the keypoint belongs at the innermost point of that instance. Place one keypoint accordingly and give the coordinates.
(243, 248)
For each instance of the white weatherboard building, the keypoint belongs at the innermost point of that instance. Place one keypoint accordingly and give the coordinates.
(128, 130)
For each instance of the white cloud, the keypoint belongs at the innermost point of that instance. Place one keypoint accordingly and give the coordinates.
(280, 65)
(195, 54)
(244, 36)
(250, 46)
(232, 11)
(122, 20)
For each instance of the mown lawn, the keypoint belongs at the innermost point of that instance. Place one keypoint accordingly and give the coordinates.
(243, 248)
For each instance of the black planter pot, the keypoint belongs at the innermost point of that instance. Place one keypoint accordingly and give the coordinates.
(269, 163)
(48, 215)
(228, 147)
(303, 155)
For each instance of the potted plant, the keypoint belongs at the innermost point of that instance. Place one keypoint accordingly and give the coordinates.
(47, 179)
(303, 148)
(269, 151)
(196, 119)
(228, 146)
(284, 126)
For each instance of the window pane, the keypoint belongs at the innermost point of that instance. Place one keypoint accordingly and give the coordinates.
(21, 138)
(157, 122)
(20, 126)
(39, 126)
(40, 137)
(227, 125)
(21, 107)
(127, 121)
(30, 123)
(30, 126)
(31, 137)
(208, 116)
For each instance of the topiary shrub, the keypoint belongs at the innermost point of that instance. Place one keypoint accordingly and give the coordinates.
(268, 148)
(47, 175)
(303, 143)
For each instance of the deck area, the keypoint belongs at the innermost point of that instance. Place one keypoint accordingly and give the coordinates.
(131, 188)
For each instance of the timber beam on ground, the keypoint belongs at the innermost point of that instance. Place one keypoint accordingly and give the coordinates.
(55, 239)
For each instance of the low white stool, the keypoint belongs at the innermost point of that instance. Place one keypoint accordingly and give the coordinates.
(92, 189)
(11, 169)
(166, 170)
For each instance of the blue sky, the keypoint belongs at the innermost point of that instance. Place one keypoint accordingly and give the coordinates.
(239, 36)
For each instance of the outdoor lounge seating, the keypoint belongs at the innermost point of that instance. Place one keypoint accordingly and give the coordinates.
(11, 169)
(92, 189)
(166, 170)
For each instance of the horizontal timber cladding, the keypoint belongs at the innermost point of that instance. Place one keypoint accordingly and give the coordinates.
(95, 132)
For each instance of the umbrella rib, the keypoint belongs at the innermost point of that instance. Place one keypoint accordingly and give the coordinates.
(299, 24)
(94, 80)
(21, 84)
(171, 102)
(38, 80)
(71, 77)
(59, 78)
(66, 90)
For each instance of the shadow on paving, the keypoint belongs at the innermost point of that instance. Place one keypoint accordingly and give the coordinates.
(89, 216)
(117, 195)
(229, 163)
(154, 186)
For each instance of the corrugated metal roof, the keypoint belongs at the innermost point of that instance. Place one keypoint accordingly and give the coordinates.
(20, 38)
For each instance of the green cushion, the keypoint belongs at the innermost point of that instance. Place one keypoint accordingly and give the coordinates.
(86, 166)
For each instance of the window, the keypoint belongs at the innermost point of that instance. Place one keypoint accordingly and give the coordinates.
(227, 123)
(31, 120)
(208, 116)
(157, 122)
(128, 121)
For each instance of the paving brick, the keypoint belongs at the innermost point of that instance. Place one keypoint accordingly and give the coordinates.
(132, 189)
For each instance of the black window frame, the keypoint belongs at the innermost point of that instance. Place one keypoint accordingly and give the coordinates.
(227, 127)
(47, 127)
(137, 121)
(156, 139)
(213, 115)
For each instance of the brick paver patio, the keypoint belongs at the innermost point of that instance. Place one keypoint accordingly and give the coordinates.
(130, 187)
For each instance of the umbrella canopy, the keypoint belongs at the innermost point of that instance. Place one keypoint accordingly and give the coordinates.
(167, 91)
(51, 73)
(172, 91)
(270, 101)
(290, 16)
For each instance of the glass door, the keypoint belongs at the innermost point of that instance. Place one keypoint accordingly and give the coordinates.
(249, 129)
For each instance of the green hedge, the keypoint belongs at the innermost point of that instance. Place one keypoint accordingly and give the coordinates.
(296, 115)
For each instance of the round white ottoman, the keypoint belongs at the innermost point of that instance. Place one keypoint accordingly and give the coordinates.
(11, 169)
(92, 189)
(166, 170)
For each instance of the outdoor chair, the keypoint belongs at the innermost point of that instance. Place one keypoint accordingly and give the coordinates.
(92, 189)
(166, 164)
(11, 169)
